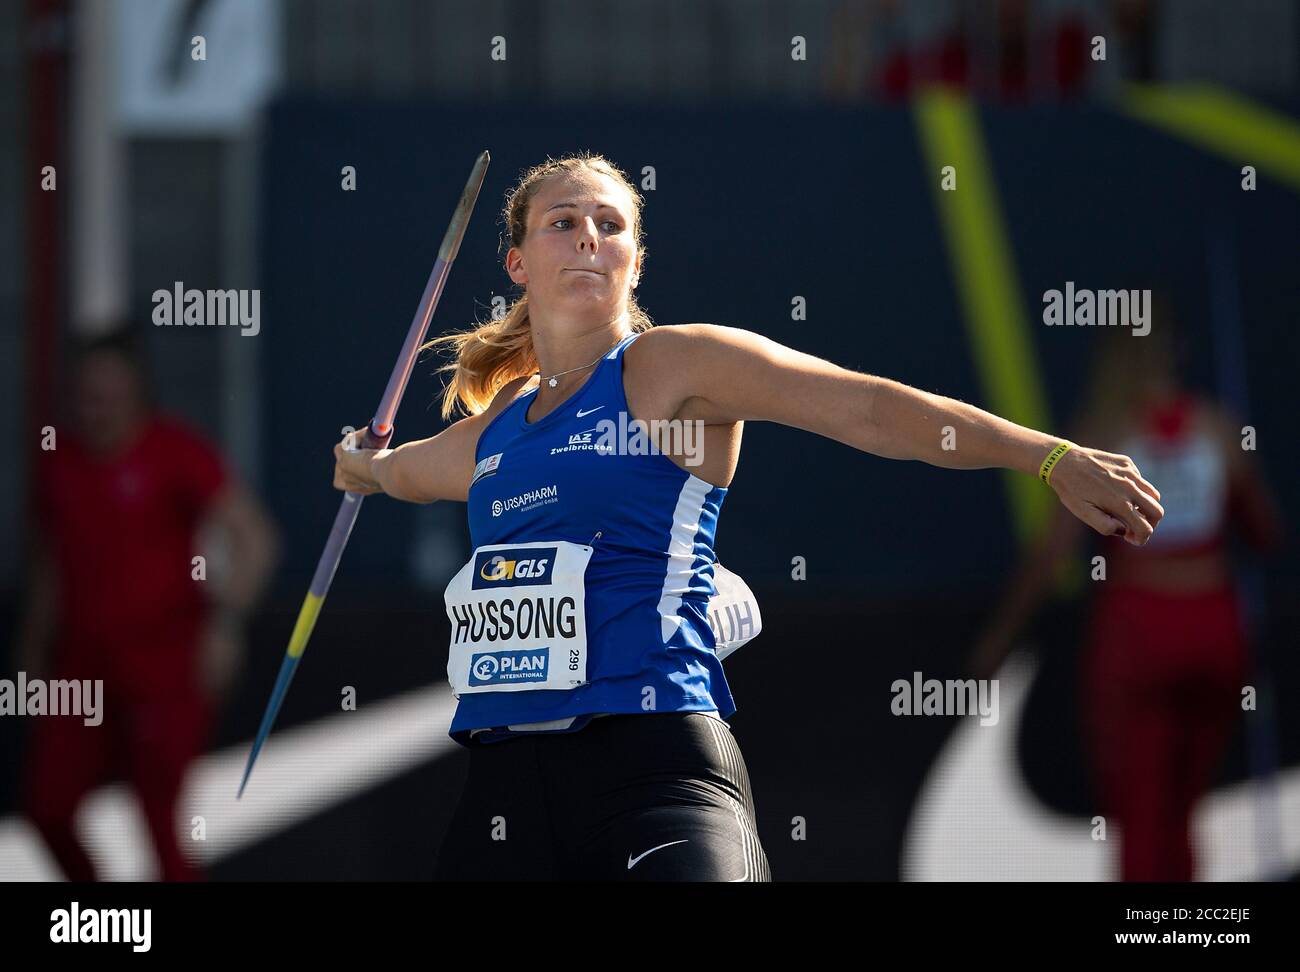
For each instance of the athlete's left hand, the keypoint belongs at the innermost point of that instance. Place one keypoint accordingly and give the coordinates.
(1106, 491)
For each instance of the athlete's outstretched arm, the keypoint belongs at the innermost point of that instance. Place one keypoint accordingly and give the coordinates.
(726, 374)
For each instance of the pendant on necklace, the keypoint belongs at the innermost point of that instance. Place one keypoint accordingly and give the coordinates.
(552, 382)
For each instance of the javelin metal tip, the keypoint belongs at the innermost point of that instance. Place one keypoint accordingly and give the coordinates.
(460, 219)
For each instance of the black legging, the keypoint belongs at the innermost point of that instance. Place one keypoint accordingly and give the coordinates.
(645, 797)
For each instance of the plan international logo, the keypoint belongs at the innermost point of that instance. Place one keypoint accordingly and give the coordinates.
(509, 666)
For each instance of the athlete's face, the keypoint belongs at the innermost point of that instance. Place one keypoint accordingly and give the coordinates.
(579, 254)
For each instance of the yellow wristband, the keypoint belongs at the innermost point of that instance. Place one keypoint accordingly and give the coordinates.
(1053, 457)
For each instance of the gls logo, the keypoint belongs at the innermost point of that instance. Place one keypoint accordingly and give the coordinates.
(500, 569)
(522, 567)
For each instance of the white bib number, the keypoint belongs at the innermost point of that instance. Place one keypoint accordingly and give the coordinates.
(518, 618)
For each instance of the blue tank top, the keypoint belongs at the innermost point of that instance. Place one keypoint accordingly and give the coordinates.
(651, 526)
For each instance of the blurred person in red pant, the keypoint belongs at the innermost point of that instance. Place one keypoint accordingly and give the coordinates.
(122, 502)
(1165, 655)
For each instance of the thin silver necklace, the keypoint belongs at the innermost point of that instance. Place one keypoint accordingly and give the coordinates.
(552, 383)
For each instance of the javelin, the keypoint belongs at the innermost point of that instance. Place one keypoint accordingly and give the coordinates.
(378, 434)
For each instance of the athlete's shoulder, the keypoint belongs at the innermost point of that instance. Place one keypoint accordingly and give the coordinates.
(694, 356)
(658, 353)
(673, 335)
(671, 345)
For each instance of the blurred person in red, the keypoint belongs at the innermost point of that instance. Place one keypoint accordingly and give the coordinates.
(1165, 654)
(1038, 52)
(122, 502)
(875, 53)
(1010, 50)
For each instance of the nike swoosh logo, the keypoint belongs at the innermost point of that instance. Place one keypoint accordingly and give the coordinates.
(632, 861)
(974, 796)
(581, 413)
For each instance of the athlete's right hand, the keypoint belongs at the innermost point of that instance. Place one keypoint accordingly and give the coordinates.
(354, 468)
(1107, 492)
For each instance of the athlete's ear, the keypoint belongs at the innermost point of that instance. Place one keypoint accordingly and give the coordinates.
(515, 266)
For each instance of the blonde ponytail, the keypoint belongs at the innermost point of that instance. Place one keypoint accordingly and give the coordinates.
(486, 357)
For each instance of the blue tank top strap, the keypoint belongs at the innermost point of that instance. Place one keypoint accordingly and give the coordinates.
(610, 376)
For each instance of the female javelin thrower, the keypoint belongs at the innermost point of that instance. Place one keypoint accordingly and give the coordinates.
(590, 696)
